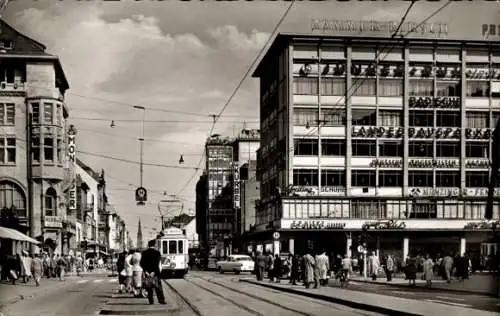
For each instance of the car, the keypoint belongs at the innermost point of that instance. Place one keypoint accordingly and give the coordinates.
(211, 263)
(236, 264)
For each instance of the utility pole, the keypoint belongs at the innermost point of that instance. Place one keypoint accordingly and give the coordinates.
(141, 142)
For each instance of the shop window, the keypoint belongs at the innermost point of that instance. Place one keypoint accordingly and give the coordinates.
(476, 179)
(306, 147)
(305, 177)
(449, 149)
(448, 119)
(50, 202)
(422, 118)
(479, 89)
(420, 178)
(333, 147)
(332, 177)
(421, 149)
(390, 118)
(7, 114)
(7, 150)
(364, 148)
(365, 117)
(332, 117)
(388, 178)
(476, 119)
(333, 86)
(390, 148)
(421, 87)
(448, 178)
(390, 87)
(363, 178)
(477, 149)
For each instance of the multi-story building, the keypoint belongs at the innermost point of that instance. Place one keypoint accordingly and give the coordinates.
(32, 137)
(250, 196)
(201, 212)
(378, 134)
(224, 158)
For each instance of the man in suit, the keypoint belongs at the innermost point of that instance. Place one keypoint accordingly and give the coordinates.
(150, 263)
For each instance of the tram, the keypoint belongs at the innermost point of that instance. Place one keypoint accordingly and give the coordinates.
(172, 244)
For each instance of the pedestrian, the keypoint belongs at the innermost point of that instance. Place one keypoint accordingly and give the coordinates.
(128, 272)
(120, 267)
(447, 266)
(260, 266)
(411, 270)
(389, 267)
(136, 274)
(79, 265)
(150, 263)
(37, 268)
(61, 267)
(25, 266)
(309, 264)
(276, 272)
(428, 267)
(270, 266)
(322, 264)
(294, 273)
(53, 266)
(374, 264)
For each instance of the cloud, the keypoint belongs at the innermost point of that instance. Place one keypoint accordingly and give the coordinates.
(228, 37)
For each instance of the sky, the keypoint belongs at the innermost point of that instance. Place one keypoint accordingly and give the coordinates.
(175, 56)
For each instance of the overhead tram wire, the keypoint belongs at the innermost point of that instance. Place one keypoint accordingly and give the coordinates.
(394, 35)
(238, 86)
(77, 118)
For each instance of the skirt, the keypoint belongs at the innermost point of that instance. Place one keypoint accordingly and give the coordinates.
(137, 279)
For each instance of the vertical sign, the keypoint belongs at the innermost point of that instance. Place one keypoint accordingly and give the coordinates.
(236, 186)
(71, 144)
(72, 197)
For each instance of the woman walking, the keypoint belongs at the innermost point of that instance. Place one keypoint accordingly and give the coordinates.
(37, 269)
(136, 274)
(120, 267)
(128, 273)
(428, 267)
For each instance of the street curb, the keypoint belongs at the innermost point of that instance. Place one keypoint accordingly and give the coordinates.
(405, 286)
(353, 304)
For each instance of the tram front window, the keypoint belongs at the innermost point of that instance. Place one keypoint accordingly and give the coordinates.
(172, 247)
(165, 247)
(181, 247)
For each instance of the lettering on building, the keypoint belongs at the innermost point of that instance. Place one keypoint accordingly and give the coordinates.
(482, 73)
(477, 163)
(374, 131)
(439, 103)
(490, 30)
(236, 187)
(72, 144)
(444, 192)
(479, 192)
(483, 225)
(316, 224)
(389, 224)
(324, 189)
(431, 163)
(53, 221)
(72, 197)
(361, 26)
(386, 163)
(478, 133)
(431, 132)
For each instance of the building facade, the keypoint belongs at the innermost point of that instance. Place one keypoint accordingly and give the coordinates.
(250, 197)
(202, 212)
(377, 139)
(33, 140)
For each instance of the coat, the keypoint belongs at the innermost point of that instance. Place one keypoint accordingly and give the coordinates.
(37, 267)
(322, 265)
(389, 264)
(428, 269)
(309, 264)
(374, 264)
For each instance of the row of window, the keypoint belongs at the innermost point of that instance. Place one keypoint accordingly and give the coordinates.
(47, 113)
(51, 150)
(389, 178)
(389, 148)
(392, 87)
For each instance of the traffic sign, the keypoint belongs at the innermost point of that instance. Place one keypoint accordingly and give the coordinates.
(361, 248)
(276, 235)
(141, 195)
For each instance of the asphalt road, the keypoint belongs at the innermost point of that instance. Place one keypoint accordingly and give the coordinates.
(77, 297)
(467, 300)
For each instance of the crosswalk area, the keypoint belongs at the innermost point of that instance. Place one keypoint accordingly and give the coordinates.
(97, 281)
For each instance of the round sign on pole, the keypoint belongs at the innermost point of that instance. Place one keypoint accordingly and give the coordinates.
(361, 248)
(276, 235)
(141, 195)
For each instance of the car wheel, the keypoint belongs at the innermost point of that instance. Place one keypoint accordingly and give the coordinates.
(237, 271)
(220, 270)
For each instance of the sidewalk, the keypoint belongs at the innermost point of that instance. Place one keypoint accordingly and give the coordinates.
(10, 294)
(372, 302)
(485, 284)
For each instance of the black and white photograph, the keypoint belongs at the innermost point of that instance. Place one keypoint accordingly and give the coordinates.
(249, 158)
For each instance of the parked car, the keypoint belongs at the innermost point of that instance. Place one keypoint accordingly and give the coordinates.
(236, 264)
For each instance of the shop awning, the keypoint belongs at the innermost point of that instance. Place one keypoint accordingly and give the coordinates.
(9, 233)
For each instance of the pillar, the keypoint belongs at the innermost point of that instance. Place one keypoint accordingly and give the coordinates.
(463, 244)
(348, 246)
(291, 246)
(377, 251)
(406, 248)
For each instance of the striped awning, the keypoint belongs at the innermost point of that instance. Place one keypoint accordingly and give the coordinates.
(9, 233)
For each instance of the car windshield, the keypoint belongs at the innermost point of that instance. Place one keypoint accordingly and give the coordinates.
(243, 259)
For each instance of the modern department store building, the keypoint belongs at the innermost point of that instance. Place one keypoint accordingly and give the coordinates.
(361, 130)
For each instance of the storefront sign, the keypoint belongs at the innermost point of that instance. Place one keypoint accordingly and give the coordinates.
(53, 221)
(431, 163)
(317, 224)
(386, 27)
(389, 224)
(236, 186)
(386, 163)
(438, 103)
(483, 225)
(477, 163)
(482, 73)
(374, 131)
(479, 192)
(445, 192)
(72, 144)
(72, 197)
(324, 189)
(431, 132)
(478, 133)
